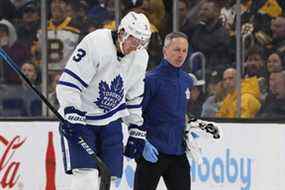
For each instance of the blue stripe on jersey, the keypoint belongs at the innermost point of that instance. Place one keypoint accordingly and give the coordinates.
(76, 77)
(109, 114)
(140, 96)
(134, 106)
(69, 85)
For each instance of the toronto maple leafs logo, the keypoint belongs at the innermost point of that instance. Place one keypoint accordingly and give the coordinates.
(110, 97)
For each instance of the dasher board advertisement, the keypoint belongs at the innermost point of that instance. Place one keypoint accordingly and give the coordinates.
(249, 157)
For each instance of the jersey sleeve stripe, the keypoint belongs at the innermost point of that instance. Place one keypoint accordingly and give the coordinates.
(134, 106)
(109, 114)
(135, 98)
(69, 85)
(76, 77)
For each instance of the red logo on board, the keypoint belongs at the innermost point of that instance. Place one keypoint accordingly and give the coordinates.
(9, 168)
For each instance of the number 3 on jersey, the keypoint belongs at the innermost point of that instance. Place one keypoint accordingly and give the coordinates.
(79, 55)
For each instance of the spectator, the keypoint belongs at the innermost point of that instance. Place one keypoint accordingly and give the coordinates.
(8, 33)
(77, 10)
(62, 36)
(282, 4)
(278, 27)
(98, 17)
(20, 100)
(255, 20)
(250, 96)
(275, 62)
(255, 62)
(259, 14)
(274, 107)
(217, 93)
(109, 5)
(193, 14)
(130, 4)
(30, 71)
(32, 103)
(155, 11)
(18, 52)
(271, 7)
(255, 67)
(278, 33)
(210, 37)
(52, 92)
(29, 24)
(7, 10)
(228, 14)
(183, 9)
(193, 7)
(20, 3)
(197, 97)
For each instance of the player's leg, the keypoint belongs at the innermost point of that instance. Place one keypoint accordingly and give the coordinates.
(86, 179)
(177, 175)
(147, 174)
(114, 182)
(111, 149)
(78, 163)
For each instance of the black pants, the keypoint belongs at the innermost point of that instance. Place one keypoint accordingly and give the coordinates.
(175, 171)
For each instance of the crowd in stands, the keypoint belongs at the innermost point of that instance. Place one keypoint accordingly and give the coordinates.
(209, 24)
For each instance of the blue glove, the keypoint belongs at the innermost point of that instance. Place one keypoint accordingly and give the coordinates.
(150, 153)
(74, 121)
(136, 141)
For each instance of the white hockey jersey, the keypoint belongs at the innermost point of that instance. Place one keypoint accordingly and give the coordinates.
(96, 81)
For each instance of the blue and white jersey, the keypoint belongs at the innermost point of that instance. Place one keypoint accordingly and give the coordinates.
(96, 81)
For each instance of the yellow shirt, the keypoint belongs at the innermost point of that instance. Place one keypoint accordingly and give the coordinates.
(250, 101)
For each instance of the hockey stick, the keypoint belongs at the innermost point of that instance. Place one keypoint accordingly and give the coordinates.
(104, 170)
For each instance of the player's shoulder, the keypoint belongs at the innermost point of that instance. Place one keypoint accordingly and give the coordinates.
(152, 75)
(141, 57)
(98, 41)
(150, 79)
(139, 60)
(142, 53)
(99, 34)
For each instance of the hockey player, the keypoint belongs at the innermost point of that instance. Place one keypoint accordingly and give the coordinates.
(102, 83)
(164, 110)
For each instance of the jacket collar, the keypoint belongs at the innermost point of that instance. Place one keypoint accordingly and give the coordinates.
(167, 69)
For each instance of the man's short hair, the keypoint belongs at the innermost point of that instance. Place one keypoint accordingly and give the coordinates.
(255, 50)
(169, 37)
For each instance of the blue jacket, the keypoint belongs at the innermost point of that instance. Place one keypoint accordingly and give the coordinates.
(164, 107)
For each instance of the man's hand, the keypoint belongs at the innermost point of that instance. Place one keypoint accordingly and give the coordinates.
(136, 141)
(75, 120)
(75, 116)
(150, 153)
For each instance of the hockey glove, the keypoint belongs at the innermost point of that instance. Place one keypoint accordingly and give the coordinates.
(136, 141)
(150, 153)
(72, 127)
(210, 127)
